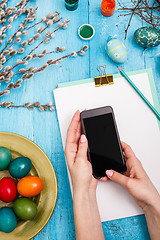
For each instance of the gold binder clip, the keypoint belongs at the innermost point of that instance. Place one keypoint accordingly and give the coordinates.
(103, 79)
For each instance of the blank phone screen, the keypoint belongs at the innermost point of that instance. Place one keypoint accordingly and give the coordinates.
(103, 144)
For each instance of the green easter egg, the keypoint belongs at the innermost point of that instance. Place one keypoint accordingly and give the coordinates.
(24, 208)
(5, 158)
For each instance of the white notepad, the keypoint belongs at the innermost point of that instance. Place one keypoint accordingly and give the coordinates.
(137, 125)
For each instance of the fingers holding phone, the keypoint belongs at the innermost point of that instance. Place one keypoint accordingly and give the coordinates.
(135, 179)
(76, 157)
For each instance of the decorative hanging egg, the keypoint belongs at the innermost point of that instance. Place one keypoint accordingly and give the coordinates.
(147, 37)
(116, 50)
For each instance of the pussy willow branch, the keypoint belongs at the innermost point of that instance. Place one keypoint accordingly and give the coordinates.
(17, 37)
(27, 29)
(43, 40)
(3, 2)
(58, 49)
(34, 48)
(18, 5)
(49, 62)
(17, 64)
(41, 107)
(24, 28)
(54, 51)
(15, 16)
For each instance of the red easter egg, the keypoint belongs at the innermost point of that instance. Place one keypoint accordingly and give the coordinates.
(8, 190)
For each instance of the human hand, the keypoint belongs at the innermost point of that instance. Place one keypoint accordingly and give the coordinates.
(135, 180)
(76, 156)
(86, 214)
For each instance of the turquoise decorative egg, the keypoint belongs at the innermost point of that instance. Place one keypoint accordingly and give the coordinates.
(5, 158)
(8, 220)
(147, 37)
(20, 167)
(116, 50)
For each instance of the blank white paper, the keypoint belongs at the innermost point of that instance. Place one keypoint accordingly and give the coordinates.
(137, 125)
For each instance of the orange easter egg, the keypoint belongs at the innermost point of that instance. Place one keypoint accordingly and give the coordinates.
(30, 186)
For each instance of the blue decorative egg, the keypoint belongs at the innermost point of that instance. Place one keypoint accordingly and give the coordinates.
(147, 37)
(8, 220)
(116, 50)
(20, 167)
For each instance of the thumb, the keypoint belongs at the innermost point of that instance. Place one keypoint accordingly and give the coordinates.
(117, 177)
(83, 146)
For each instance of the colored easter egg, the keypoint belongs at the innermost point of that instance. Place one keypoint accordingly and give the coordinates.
(5, 158)
(8, 191)
(147, 37)
(24, 208)
(30, 186)
(8, 220)
(20, 167)
(116, 50)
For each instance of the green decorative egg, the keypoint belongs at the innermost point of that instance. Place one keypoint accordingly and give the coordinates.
(24, 208)
(147, 37)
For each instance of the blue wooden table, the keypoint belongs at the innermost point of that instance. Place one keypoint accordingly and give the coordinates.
(43, 128)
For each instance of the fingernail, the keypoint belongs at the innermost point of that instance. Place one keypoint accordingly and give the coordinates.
(83, 138)
(109, 173)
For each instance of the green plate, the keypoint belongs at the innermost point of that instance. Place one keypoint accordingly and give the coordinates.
(41, 167)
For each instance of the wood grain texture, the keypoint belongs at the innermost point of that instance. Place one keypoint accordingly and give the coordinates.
(43, 128)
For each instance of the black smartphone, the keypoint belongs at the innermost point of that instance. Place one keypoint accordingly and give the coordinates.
(104, 146)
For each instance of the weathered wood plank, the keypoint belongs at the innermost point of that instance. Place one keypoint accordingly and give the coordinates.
(43, 128)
